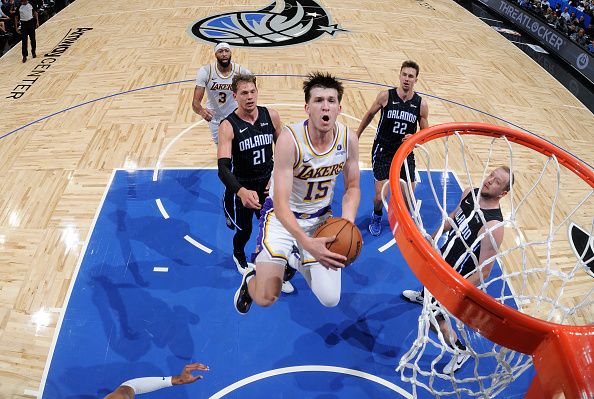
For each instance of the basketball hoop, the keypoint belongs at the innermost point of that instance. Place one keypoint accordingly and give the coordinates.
(562, 354)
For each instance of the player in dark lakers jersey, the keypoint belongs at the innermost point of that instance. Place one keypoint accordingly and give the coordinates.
(245, 162)
(402, 110)
(471, 257)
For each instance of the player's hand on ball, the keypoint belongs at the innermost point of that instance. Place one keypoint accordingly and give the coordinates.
(318, 249)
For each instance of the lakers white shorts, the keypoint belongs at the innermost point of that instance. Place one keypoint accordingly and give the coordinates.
(214, 130)
(275, 243)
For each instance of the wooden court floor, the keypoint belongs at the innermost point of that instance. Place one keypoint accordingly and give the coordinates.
(55, 166)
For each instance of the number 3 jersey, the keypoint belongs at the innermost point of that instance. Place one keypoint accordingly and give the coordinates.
(219, 96)
(398, 118)
(251, 147)
(315, 173)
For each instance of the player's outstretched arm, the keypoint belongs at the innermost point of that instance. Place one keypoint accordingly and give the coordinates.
(131, 388)
(352, 192)
(380, 101)
(186, 376)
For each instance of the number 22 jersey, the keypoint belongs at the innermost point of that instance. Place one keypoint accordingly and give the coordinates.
(398, 118)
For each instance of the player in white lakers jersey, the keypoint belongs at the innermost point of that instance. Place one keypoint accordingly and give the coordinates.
(215, 79)
(309, 156)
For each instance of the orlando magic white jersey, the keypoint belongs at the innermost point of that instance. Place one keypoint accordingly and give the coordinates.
(314, 174)
(219, 96)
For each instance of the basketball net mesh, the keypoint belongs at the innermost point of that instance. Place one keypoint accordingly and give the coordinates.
(537, 270)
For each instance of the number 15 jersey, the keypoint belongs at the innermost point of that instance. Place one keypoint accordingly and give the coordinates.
(315, 173)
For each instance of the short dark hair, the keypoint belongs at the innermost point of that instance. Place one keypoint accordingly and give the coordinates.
(410, 64)
(511, 179)
(242, 77)
(323, 80)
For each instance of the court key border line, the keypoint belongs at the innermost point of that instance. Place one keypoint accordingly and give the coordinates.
(71, 288)
(311, 368)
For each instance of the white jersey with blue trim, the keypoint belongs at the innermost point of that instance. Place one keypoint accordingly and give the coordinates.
(315, 173)
(219, 96)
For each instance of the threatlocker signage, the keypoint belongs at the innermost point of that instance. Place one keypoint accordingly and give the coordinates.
(548, 36)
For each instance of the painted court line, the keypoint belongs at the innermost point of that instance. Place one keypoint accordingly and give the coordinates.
(387, 245)
(70, 288)
(166, 150)
(162, 208)
(197, 244)
(312, 368)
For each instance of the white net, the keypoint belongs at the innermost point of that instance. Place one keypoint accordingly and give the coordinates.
(540, 269)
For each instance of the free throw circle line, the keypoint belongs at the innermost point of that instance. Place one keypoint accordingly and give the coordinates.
(311, 368)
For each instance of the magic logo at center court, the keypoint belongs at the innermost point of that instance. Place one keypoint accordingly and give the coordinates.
(282, 23)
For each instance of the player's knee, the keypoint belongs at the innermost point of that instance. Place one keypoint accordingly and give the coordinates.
(268, 296)
(266, 300)
(329, 300)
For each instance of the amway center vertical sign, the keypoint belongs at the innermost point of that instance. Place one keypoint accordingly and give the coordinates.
(46, 62)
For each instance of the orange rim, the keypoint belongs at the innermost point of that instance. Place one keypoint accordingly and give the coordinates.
(493, 320)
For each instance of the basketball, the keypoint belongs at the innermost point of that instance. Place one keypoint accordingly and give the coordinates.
(348, 238)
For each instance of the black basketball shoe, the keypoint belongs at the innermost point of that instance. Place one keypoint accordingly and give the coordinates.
(289, 273)
(290, 270)
(242, 299)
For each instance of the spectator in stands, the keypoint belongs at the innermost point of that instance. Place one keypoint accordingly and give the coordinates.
(580, 37)
(550, 16)
(565, 14)
(9, 9)
(591, 46)
(561, 24)
(590, 30)
(3, 16)
(581, 22)
(558, 9)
